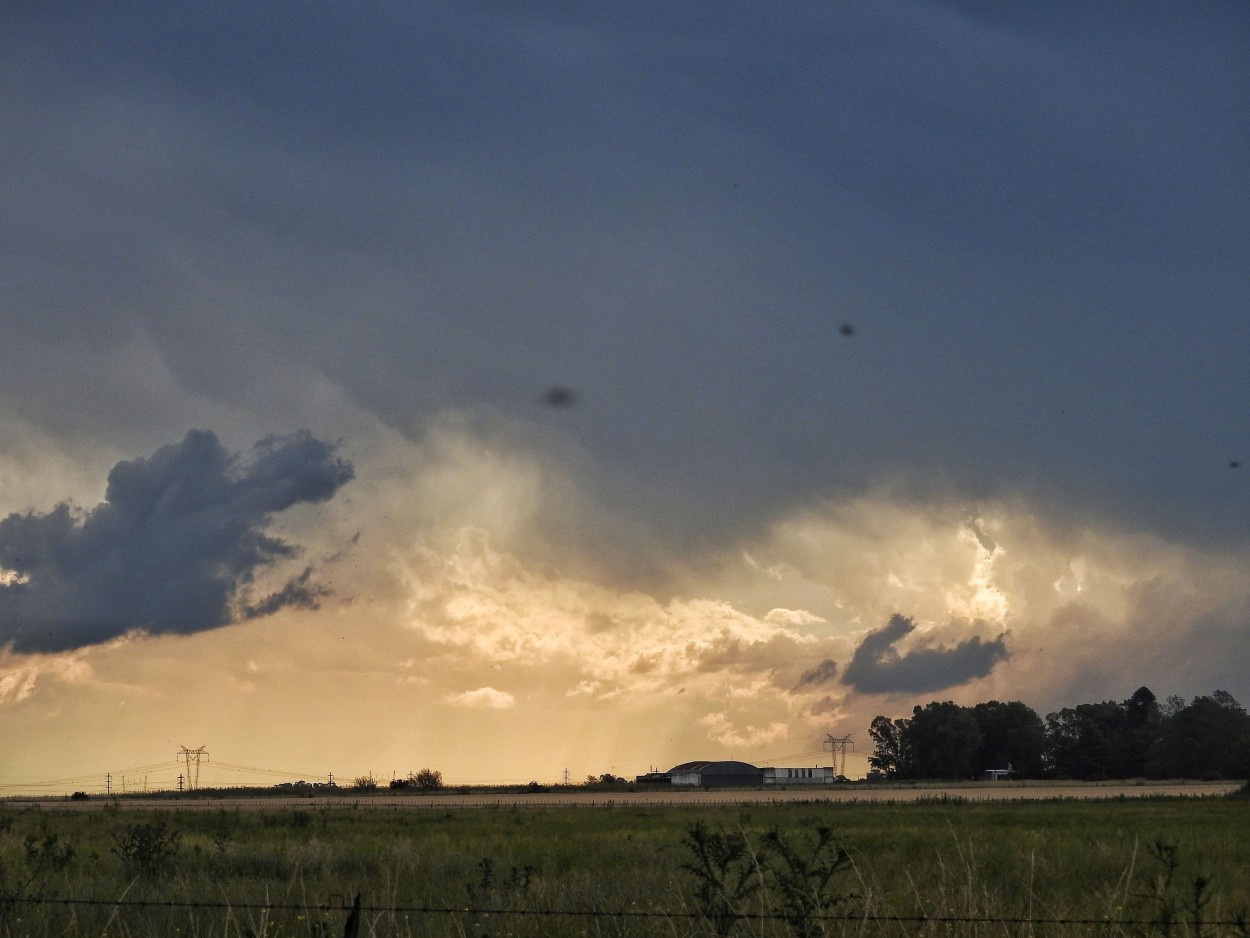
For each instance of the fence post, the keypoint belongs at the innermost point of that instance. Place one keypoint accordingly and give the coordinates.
(351, 928)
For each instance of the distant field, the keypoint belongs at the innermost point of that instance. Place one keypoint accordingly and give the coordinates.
(949, 864)
(972, 791)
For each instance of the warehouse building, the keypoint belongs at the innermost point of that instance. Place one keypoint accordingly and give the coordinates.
(704, 774)
(817, 775)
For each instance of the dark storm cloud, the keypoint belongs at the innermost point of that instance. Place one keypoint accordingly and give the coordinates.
(1029, 213)
(298, 593)
(827, 670)
(173, 548)
(877, 668)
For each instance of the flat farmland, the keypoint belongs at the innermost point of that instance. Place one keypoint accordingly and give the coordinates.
(1105, 860)
(970, 791)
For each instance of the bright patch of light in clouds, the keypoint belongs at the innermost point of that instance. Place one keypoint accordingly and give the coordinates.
(482, 604)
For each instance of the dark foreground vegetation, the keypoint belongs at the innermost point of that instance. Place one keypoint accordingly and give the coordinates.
(1208, 739)
(1163, 866)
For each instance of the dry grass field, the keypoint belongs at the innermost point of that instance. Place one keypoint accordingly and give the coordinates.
(979, 860)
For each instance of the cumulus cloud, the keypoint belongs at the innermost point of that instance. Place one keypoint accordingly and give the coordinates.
(878, 668)
(722, 730)
(485, 698)
(476, 602)
(175, 547)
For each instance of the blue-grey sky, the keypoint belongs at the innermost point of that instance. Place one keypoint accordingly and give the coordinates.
(396, 224)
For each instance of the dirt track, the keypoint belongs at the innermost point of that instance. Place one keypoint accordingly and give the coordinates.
(1000, 791)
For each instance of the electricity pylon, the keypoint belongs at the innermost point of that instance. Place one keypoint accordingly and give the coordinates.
(837, 749)
(192, 758)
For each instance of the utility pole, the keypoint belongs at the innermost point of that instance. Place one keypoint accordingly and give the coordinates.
(108, 783)
(181, 781)
(837, 750)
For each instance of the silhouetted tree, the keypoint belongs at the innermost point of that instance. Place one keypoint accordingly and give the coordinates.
(1085, 741)
(1012, 734)
(1209, 738)
(942, 740)
(1143, 723)
(887, 738)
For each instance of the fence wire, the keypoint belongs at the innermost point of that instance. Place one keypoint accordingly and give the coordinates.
(339, 904)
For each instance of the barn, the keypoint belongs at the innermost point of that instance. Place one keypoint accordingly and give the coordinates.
(705, 774)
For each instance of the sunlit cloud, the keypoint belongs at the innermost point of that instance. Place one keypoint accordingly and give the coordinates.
(21, 675)
(486, 698)
(485, 604)
(13, 578)
(802, 640)
(792, 617)
(721, 729)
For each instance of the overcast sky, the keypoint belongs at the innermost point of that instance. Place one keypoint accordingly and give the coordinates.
(900, 350)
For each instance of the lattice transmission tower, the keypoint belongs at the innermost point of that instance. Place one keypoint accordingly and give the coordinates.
(192, 758)
(837, 748)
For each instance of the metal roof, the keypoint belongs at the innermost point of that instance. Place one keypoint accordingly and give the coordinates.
(706, 767)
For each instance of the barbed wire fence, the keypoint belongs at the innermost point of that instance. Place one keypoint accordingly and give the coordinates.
(334, 904)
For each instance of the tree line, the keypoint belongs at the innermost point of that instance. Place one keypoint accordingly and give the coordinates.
(1208, 738)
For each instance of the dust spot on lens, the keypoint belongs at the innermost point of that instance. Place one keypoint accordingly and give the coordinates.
(559, 396)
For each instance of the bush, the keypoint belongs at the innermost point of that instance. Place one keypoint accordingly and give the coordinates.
(725, 871)
(48, 852)
(428, 780)
(802, 871)
(795, 872)
(147, 850)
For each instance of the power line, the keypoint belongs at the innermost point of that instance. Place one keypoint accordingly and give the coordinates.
(192, 758)
(281, 773)
(837, 748)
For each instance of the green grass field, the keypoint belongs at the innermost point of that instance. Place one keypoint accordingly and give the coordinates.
(1171, 866)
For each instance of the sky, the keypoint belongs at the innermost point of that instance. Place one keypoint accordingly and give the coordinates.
(512, 388)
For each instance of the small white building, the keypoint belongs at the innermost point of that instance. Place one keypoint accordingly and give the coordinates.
(817, 775)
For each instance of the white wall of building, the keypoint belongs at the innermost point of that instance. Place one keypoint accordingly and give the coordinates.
(777, 775)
